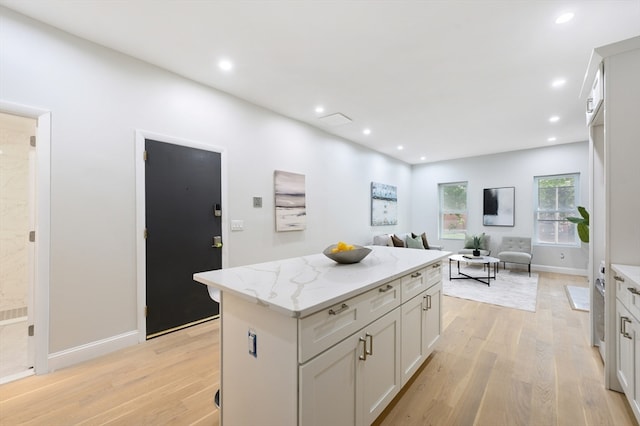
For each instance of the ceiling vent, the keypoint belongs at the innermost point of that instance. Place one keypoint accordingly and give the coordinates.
(336, 119)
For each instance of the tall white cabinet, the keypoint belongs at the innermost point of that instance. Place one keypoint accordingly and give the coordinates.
(612, 94)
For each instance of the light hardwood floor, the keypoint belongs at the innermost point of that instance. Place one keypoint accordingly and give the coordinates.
(493, 366)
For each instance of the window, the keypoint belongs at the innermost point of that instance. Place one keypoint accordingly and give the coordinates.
(555, 199)
(453, 210)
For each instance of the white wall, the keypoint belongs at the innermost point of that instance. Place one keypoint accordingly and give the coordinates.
(515, 169)
(98, 98)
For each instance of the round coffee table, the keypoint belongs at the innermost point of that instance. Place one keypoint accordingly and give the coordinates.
(485, 261)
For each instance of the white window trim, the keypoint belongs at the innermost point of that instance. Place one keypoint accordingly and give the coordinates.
(441, 233)
(576, 187)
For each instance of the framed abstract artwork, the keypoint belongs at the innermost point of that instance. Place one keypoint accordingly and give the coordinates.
(290, 201)
(384, 204)
(499, 206)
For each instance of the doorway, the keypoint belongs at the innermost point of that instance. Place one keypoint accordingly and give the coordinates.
(183, 233)
(17, 250)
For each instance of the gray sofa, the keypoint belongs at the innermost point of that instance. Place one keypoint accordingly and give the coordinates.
(516, 250)
(387, 240)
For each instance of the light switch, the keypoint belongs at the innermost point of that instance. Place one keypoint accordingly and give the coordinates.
(237, 225)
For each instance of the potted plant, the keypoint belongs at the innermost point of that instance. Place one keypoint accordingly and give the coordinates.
(582, 224)
(477, 242)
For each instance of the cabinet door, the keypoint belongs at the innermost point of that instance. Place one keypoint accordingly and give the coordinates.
(413, 334)
(352, 382)
(379, 377)
(635, 400)
(433, 317)
(625, 345)
(328, 389)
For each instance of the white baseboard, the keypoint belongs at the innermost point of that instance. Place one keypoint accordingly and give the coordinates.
(559, 270)
(72, 356)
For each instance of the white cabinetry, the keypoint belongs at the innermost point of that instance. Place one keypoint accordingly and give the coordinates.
(307, 342)
(627, 279)
(352, 382)
(615, 195)
(421, 323)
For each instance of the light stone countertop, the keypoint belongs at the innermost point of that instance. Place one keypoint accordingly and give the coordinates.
(631, 271)
(300, 286)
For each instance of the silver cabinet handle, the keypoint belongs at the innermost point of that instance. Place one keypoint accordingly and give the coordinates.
(426, 306)
(385, 289)
(589, 105)
(436, 265)
(363, 357)
(633, 291)
(365, 352)
(428, 302)
(342, 308)
(416, 275)
(623, 327)
(617, 278)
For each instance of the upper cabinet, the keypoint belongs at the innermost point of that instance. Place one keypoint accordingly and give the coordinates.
(595, 96)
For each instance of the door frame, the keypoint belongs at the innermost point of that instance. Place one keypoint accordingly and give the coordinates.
(141, 258)
(42, 227)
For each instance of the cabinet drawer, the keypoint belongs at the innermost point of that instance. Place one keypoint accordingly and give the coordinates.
(627, 291)
(434, 274)
(323, 329)
(420, 280)
(414, 283)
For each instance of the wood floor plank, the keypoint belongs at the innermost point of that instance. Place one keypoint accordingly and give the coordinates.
(493, 366)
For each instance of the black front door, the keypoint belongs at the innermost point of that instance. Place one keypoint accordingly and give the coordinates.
(182, 192)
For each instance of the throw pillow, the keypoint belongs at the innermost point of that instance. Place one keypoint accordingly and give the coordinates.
(425, 243)
(397, 241)
(414, 242)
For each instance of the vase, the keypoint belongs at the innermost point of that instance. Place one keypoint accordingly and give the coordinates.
(476, 253)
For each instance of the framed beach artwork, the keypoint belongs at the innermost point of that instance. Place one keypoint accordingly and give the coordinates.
(499, 206)
(384, 204)
(290, 201)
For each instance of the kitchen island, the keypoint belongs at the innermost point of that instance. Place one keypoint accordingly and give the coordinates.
(308, 341)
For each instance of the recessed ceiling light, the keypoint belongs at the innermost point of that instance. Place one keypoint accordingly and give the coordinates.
(319, 109)
(367, 131)
(225, 65)
(565, 17)
(423, 158)
(558, 82)
(554, 118)
(400, 147)
(551, 139)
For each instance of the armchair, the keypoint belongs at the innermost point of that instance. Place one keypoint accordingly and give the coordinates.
(516, 250)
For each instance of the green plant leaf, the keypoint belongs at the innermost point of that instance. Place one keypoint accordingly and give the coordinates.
(575, 219)
(583, 232)
(584, 213)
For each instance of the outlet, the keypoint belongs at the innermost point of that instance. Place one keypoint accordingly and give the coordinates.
(253, 343)
(562, 256)
(257, 202)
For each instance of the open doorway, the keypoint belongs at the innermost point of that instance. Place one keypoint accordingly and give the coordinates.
(17, 249)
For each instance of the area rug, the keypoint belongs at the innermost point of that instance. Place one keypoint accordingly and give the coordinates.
(578, 297)
(511, 289)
